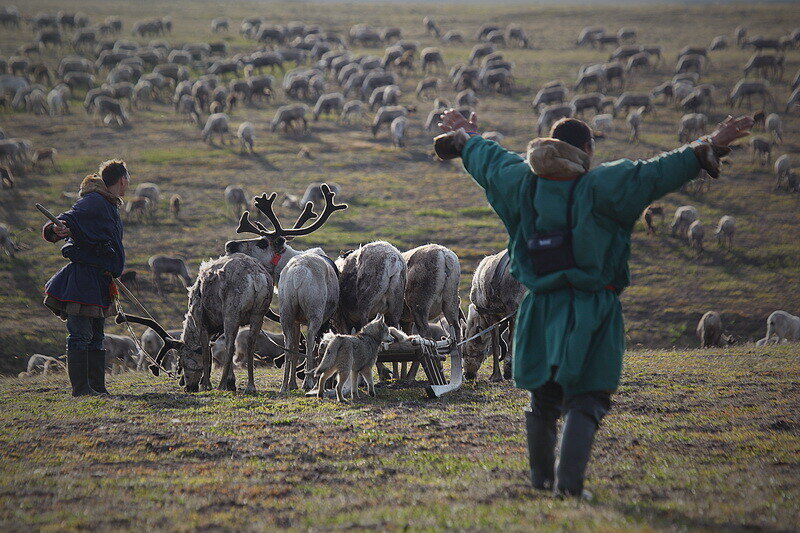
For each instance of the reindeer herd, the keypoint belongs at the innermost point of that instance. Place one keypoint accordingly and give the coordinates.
(323, 78)
(408, 289)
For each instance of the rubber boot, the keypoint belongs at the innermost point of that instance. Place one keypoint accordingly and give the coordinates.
(97, 371)
(77, 368)
(576, 448)
(541, 449)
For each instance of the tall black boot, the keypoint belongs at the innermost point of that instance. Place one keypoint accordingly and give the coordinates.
(541, 448)
(576, 447)
(77, 368)
(97, 371)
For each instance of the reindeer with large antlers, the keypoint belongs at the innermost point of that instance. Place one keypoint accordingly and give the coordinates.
(308, 282)
(230, 291)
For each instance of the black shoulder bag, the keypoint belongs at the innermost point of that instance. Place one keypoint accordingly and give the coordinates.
(552, 252)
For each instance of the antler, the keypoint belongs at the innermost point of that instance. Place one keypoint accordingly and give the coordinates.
(248, 226)
(264, 204)
(330, 208)
(307, 214)
(150, 323)
(169, 342)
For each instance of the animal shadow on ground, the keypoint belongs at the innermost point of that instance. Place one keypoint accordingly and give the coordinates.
(265, 163)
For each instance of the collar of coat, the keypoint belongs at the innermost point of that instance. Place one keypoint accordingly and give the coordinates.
(95, 183)
(556, 160)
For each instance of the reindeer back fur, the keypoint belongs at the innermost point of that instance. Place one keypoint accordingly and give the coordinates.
(432, 283)
(308, 288)
(373, 280)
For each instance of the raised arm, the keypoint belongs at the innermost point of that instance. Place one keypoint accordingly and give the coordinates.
(627, 187)
(498, 171)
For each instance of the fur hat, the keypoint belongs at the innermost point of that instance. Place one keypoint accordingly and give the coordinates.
(551, 158)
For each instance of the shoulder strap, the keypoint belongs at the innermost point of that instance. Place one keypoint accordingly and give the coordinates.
(570, 201)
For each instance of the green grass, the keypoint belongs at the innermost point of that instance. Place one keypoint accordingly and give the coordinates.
(695, 440)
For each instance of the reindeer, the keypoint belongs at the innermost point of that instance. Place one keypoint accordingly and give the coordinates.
(308, 284)
(494, 294)
(649, 215)
(162, 264)
(231, 291)
(236, 199)
(175, 206)
(433, 274)
(138, 205)
(373, 280)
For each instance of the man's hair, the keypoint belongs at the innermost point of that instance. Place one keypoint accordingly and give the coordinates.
(112, 171)
(572, 131)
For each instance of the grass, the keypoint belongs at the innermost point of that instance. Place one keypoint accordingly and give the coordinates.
(401, 195)
(695, 440)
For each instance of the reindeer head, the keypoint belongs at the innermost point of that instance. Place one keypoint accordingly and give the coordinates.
(271, 244)
(190, 359)
(476, 350)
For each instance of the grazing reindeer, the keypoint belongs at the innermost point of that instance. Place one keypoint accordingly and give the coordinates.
(236, 199)
(7, 244)
(44, 154)
(494, 294)
(175, 206)
(138, 205)
(649, 215)
(129, 279)
(308, 282)
(231, 291)
(6, 178)
(162, 264)
(726, 229)
(431, 290)
(761, 149)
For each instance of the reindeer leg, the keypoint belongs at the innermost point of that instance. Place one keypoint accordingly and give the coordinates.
(496, 376)
(289, 342)
(507, 364)
(311, 338)
(228, 379)
(292, 385)
(255, 326)
(205, 381)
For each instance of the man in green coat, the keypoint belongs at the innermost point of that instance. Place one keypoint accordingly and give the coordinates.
(569, 230)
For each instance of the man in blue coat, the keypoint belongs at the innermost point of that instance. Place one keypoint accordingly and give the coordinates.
(82, 291)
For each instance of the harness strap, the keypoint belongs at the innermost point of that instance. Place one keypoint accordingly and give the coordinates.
(570, 202)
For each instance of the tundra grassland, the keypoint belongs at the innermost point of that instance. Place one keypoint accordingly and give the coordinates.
(696, 440)
(400, 195)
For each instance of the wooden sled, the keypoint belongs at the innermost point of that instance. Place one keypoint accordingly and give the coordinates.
(428, 355)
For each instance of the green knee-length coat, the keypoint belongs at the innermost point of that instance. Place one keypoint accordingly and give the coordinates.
(571, 320)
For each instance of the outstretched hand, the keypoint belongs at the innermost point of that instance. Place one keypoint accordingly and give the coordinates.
(732, 129)
(452, 120)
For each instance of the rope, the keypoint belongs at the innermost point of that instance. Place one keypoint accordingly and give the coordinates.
(487, 330)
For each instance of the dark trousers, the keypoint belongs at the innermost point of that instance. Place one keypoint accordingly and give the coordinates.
(582, 413)
(549, 402)
(85, 333)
